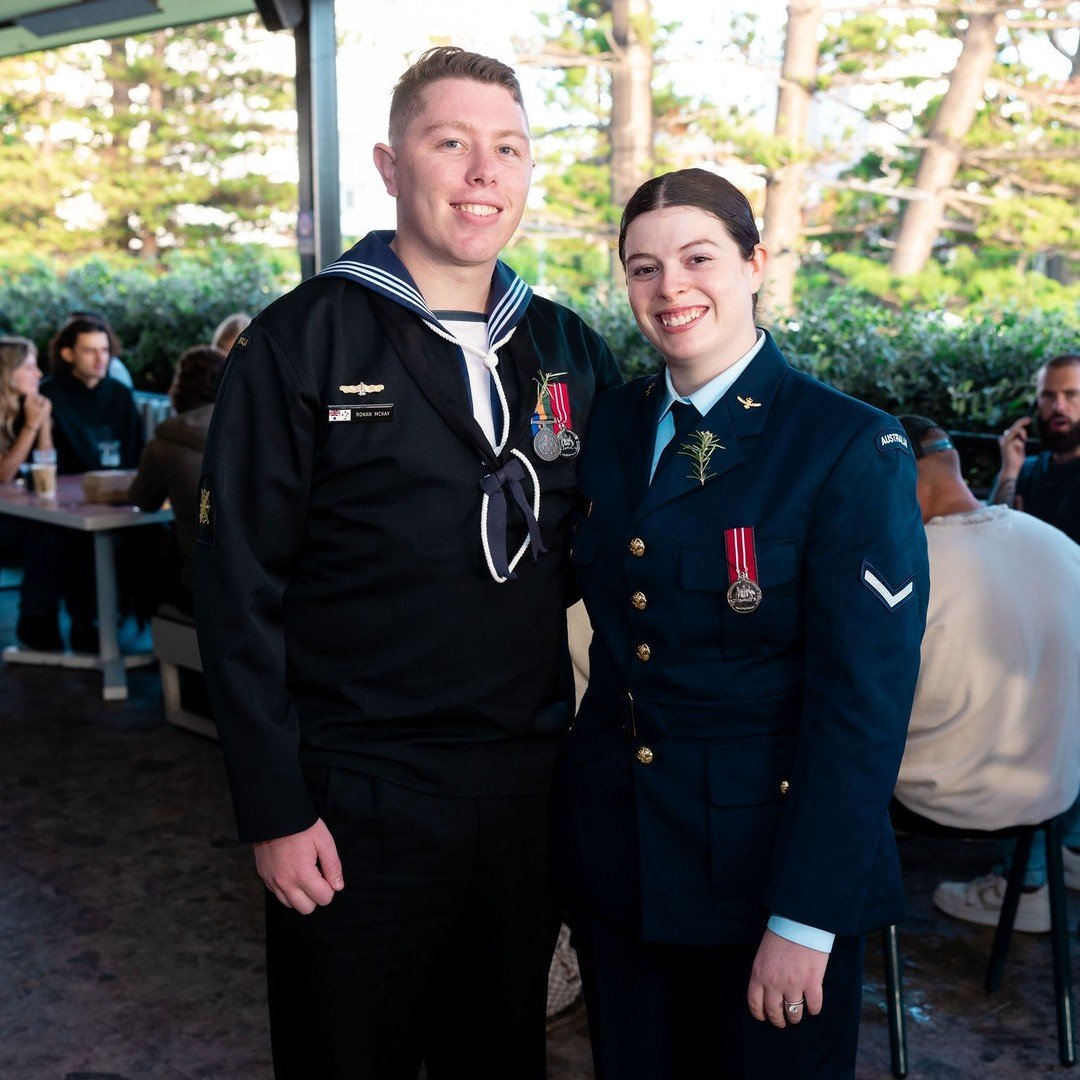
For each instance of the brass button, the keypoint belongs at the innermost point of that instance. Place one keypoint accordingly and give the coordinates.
(643, 652)
(639, 601)
(644, 755)
(784, 785)
(637, 547)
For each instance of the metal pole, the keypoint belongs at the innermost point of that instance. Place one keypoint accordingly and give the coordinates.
(318, 226)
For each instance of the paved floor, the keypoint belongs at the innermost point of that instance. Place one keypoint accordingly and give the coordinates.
(130, 944)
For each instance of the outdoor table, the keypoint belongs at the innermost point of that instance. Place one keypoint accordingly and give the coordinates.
(70, 510)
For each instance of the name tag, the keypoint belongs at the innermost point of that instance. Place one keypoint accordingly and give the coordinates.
(361, 414)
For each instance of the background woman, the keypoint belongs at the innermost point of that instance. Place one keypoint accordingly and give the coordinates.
(754, 567)
(26, 426)
(171, 463)
(25, 416)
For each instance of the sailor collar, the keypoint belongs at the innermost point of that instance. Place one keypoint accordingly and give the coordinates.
(374, 264)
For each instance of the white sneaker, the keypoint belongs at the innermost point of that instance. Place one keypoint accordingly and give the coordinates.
(1071, 861)
(980, 901)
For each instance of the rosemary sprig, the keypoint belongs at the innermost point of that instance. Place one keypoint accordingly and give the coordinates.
(699, 448)
(544, 380)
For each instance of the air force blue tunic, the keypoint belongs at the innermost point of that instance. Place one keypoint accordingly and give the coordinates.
(727, 766)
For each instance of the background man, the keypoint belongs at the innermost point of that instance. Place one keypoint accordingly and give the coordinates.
(1047, 484)
(994, 739)
(387, 664)
(95, 422)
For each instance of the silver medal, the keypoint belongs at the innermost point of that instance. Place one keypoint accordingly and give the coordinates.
(546, 443)
(569, 443)
(744, 595)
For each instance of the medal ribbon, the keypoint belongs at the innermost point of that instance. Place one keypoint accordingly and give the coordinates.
(560, 403)
(543, 414)
(741, 554)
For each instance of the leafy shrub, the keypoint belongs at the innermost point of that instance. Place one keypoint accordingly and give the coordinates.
(156, 313)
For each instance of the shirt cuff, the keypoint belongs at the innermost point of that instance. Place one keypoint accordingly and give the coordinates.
(801, 934)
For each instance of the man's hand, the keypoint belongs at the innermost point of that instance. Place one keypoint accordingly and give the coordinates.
(782, 969)
(301, 870)
(1013, 447)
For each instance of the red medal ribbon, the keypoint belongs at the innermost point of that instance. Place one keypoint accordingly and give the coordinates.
(741, 554)
(560, 404)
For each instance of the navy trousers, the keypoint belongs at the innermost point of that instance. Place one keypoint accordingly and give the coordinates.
(437, 949)
(679, 1012)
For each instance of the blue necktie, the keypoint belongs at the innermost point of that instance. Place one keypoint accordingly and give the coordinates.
(686, 417)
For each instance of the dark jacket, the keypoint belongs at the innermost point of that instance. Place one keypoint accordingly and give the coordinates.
(774, 736)
(1052, 492)
(346, 614)
(82, 418)
(169, 468)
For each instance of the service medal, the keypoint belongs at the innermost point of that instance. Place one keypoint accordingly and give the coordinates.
(744, 593)
(546, 443)
(569, 443)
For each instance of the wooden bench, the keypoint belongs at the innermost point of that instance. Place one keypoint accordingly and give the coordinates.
(175, 647)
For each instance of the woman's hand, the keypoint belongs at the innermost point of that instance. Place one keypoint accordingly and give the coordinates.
(36, 409)
(785, 972)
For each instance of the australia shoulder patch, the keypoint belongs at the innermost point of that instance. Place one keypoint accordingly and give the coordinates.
(892, 441)
(205, 511)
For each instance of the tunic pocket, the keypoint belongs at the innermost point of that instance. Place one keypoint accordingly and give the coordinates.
(708, 626)
(746, 781)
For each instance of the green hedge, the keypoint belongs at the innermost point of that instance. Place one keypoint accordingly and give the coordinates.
(156, 312)
(972, 373)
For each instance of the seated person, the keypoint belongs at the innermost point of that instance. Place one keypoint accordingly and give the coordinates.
(994, 739)
(95, 422)
(228, 330)
(25, 427)
(172, 460)
(25, 415)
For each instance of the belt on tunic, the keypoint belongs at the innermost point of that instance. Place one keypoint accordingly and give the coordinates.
(641, 718)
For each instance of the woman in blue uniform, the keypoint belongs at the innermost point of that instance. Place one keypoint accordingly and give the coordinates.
(754, 566)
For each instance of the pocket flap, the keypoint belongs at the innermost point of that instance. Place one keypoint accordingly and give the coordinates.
(703, 568)
(749, 772)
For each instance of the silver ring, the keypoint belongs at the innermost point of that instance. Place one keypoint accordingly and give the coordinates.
(793, 1007)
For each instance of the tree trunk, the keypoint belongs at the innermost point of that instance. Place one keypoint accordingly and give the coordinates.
(924, 213)
(631, 102)
(784, 188)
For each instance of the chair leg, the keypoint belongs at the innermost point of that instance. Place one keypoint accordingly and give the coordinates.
(894, 1002)
(1003, 934)
(1059, 943)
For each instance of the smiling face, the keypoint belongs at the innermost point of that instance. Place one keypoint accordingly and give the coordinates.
(89, 357)
(691, 291)
(460, 174)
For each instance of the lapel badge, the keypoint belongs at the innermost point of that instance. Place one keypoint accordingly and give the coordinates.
(749, 403)
(362, 388)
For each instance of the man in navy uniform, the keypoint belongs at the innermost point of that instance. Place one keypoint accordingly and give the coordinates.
(381, 590)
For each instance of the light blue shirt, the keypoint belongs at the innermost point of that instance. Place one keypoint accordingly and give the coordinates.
(703, 400)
